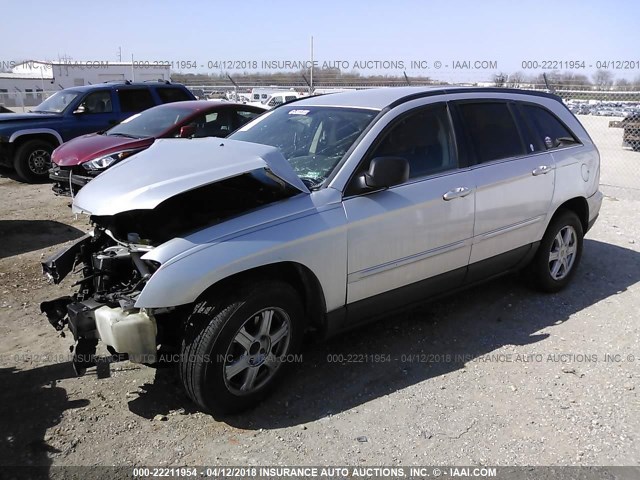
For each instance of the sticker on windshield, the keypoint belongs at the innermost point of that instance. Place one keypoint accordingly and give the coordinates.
(298, 112)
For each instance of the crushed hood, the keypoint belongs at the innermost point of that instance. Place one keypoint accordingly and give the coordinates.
(173, 166)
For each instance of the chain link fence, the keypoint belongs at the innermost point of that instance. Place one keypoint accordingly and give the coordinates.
(23, 100)
(612, 118)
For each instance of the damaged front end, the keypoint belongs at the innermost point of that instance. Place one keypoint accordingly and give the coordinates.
(169, 191)
(112, 275)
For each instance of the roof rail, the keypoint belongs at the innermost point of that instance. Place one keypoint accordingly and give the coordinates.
(166, 82)
(126, 82)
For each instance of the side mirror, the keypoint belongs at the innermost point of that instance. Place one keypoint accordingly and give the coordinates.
(385, 172)
(187, 131)
(81, 109)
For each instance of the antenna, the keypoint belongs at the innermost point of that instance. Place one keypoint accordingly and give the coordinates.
(406, 78)
(304, 77)
(235, 86)
(311, 74)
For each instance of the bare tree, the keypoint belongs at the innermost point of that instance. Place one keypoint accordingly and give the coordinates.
(603, 79)
(623, 84)
(499, 79)
(515, 79)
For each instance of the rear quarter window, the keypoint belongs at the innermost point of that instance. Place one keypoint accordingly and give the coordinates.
(168, 94)
(549, 130)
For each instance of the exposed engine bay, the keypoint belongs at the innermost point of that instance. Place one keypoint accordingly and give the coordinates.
(113, 273)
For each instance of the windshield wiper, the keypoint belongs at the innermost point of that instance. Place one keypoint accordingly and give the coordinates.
(123, 135)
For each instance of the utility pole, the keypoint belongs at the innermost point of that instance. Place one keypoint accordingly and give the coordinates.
(120, 54)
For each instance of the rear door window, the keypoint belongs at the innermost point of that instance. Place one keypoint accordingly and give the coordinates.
(134, 100)
(492, 130)
(214, 124)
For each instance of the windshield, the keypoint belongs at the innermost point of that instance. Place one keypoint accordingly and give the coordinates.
(57, 102)
(312, 139)
(152, 122)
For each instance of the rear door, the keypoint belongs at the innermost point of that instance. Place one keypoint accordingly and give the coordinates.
(514, 181)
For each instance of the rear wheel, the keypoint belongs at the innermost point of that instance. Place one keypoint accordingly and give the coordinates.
(559, 253)
(235, 349)
(33, 160)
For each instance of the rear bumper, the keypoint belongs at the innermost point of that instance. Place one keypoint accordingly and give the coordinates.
(594, 202)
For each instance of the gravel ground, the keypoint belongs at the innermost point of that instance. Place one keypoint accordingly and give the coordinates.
(497, 375)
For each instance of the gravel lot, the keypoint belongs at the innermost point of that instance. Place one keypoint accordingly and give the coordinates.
(500, 375)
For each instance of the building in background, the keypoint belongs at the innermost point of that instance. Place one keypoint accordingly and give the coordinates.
(30, 82)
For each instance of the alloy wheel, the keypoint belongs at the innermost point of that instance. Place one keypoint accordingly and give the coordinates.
(563, 252)
(254, 355)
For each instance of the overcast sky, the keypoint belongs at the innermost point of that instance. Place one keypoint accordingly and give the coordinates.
(508, 32)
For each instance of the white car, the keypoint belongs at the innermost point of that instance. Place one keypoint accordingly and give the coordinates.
(317, 216)
(276, 99)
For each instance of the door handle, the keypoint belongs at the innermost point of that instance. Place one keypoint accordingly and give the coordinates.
(541, 170)
(458, 192)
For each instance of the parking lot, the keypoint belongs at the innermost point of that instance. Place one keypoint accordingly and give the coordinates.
(497, 375)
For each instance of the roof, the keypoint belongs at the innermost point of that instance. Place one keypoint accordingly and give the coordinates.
(80, 63)
(26, 76)
(123, 83)
(379, 98)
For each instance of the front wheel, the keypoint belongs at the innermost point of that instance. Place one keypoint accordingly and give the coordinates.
(33, 161)
(235, 349)
(559, 253)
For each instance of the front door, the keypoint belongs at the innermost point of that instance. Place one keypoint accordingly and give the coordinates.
(414, 231)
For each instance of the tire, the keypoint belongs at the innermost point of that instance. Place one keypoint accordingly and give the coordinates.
(559, 253)
(33, 161)
(228, 360)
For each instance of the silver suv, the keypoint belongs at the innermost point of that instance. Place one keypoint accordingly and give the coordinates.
(316, 216)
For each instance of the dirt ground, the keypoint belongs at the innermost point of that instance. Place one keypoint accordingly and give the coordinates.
(497, 375)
